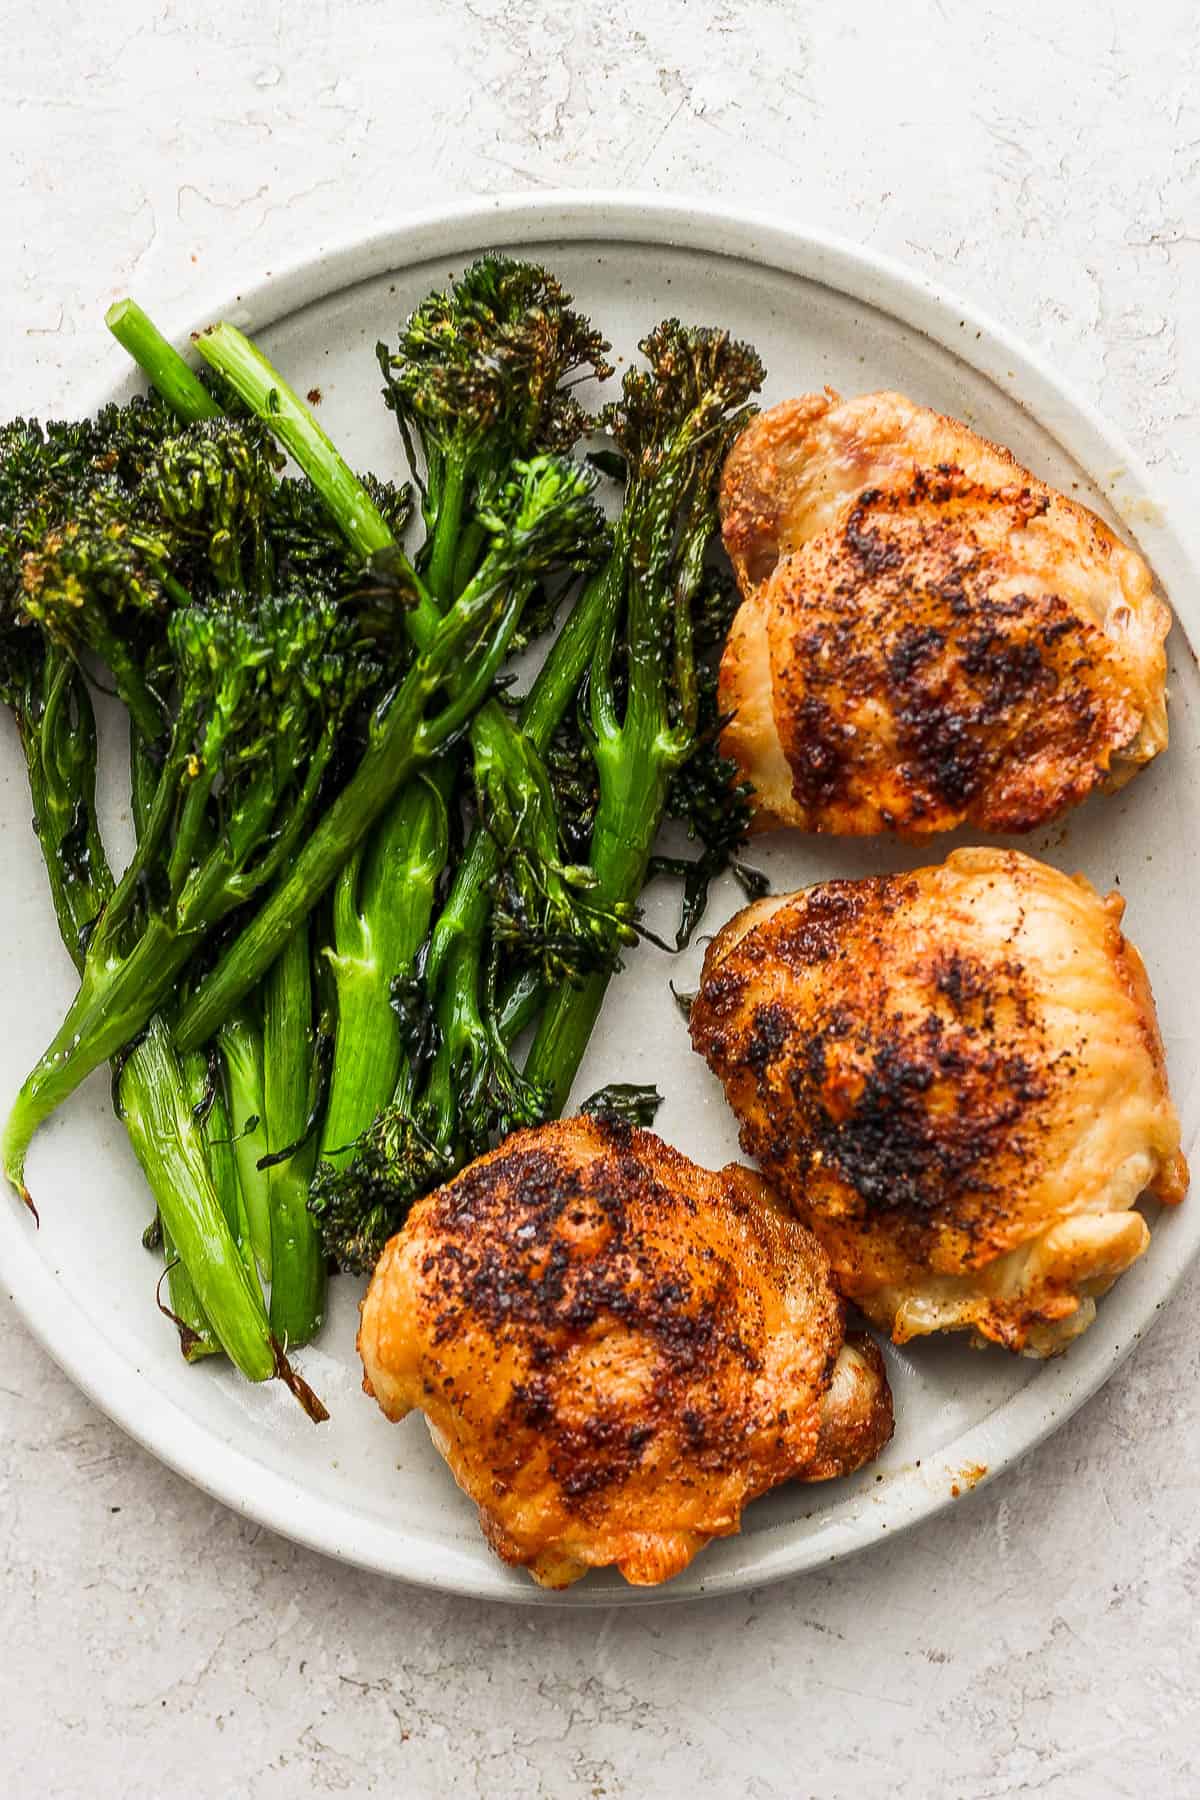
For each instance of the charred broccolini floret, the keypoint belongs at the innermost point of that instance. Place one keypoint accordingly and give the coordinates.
(76, 560)
(42, 686)
(482, 375)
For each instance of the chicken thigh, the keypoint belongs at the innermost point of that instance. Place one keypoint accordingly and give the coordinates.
(955, 1076)
(930, 636)
(615, 1349)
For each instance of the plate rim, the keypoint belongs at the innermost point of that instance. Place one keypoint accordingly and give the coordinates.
(120, 1388)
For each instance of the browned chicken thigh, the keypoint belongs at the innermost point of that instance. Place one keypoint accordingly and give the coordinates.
(930, 636)
(956, 1078)
(615, 1349)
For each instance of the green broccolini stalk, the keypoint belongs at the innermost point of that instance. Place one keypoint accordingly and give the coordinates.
(200, 1114)
(192, 1105)
(382, 904)
(203, 1075)
(291, 1091)
(673, 425)
(707, 793)
(158, 1108)
(240, 1045)
(202, 1089)
(182, 390)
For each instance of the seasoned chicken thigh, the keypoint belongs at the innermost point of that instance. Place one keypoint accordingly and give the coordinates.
(930, 635)
(616, 1349)
(956, 1078)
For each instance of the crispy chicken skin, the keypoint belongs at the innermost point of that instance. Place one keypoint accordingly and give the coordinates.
(615, 1349)
(930, 636)
(956, 1078)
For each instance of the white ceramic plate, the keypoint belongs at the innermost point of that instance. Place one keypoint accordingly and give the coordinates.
(378, 1495)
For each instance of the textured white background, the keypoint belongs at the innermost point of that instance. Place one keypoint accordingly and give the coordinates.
(1042, 1638)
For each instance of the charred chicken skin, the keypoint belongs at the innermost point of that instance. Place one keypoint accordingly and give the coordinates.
(615, 1349)
(955, 1076)
(929, 636)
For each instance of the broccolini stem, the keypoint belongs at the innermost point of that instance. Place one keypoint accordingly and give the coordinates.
(636, 758)
(383, 903)
(557, 681)
(210, 1109)
(634, 764)
(270, 398)
(281, 409)
(128, 677)
(152, 819)
(168, 1144)
(619, 864)
(196, 1336)
(471, 544)
(519, 1005)
(114, 1002)
(289, 1056)
(441, 574)
(462, 1035)
(160, 361)
(239, 1042)
(60, 751)
(192, 826)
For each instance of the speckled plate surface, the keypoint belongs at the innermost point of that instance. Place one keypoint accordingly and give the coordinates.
(378, 1495)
